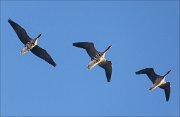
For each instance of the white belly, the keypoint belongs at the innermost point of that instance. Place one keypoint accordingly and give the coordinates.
(93, 63)
(27, 48)
(162, 82)
(158, 83)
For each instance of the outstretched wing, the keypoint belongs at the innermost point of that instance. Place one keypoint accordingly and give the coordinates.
(107, 66)
(43, 55)
(21, 33)
(150, 73)
(167, 90)
(88, 46)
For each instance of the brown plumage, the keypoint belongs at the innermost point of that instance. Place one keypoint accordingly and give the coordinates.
(157, 80)
(97, 57)
(31, 44)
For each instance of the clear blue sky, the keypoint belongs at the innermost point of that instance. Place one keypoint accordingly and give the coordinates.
(142, 34)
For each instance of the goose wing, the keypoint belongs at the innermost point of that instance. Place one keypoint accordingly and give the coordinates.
(149, 72)
(88, 46)
(167, 90)
(21, 33)
(107, 66)
(38, 51)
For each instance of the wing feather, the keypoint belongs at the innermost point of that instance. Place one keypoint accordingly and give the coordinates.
(107, 66)
(21, 33)
(167, 90)
(88, 46)
(38, 51)
(150, 73)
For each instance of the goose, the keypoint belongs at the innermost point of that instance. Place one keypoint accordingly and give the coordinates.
(157, 80)
(97, 58)
(31, 44)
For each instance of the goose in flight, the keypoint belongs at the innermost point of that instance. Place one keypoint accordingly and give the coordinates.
(97, 58)
(31, 44)
(157, 80)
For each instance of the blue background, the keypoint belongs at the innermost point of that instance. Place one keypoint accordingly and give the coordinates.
(142, 34)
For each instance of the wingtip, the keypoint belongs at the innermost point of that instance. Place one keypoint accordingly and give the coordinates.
(76, 44)
(9, 20)
(137, 73)
(109, 79)
(167, 99)
(73, 44)
(54, 64)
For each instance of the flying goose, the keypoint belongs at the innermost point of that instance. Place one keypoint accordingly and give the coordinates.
(157, 80)
(31, 44)
(96, 57)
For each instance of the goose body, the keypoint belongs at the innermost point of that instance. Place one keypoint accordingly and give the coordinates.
(97, 58)
(157, 80)
(31, 44)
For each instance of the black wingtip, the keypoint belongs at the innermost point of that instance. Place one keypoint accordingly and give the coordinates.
(9, 20)
(54, 64)
(167, 99)
(109, 79)
(137, 73)
(75, 44)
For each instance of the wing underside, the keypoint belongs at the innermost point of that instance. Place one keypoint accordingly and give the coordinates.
(21, 33)
(107, 66)
(38, 51)
(88, 46)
